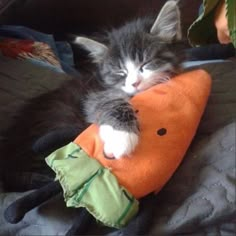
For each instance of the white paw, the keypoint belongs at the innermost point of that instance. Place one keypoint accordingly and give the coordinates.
(117, 143)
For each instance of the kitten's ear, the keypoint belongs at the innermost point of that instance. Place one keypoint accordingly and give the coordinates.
(97, 50)
(167, 24)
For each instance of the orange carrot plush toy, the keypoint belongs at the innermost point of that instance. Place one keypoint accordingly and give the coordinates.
(109, 189)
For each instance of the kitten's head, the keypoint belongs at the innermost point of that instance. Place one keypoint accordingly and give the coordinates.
(140, 54)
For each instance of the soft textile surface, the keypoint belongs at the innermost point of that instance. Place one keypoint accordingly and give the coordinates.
(199, 199)
(28, 49)
(21, 83)
(44, 50)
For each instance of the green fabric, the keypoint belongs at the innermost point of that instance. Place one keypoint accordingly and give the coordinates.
(203, 31)
(86, 183)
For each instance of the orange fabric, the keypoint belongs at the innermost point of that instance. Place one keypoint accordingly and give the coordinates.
(175, 106)
(221, 24)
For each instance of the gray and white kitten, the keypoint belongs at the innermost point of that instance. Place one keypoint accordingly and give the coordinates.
(133, 58)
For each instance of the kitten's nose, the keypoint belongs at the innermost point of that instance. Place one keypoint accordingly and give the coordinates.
(136, 84)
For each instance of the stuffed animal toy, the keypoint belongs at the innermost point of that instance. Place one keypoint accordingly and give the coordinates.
(110, 189)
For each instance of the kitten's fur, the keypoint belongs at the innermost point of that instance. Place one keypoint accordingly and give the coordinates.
(137, 56)
(129, 59)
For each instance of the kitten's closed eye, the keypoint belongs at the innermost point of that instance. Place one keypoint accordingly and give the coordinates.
(155, 64)
(121, 74)
(145, 66)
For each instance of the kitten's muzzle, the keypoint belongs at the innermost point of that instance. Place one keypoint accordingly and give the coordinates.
(136, 84)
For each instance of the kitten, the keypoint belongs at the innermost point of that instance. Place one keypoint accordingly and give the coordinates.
(129, 60)
(135, 57)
